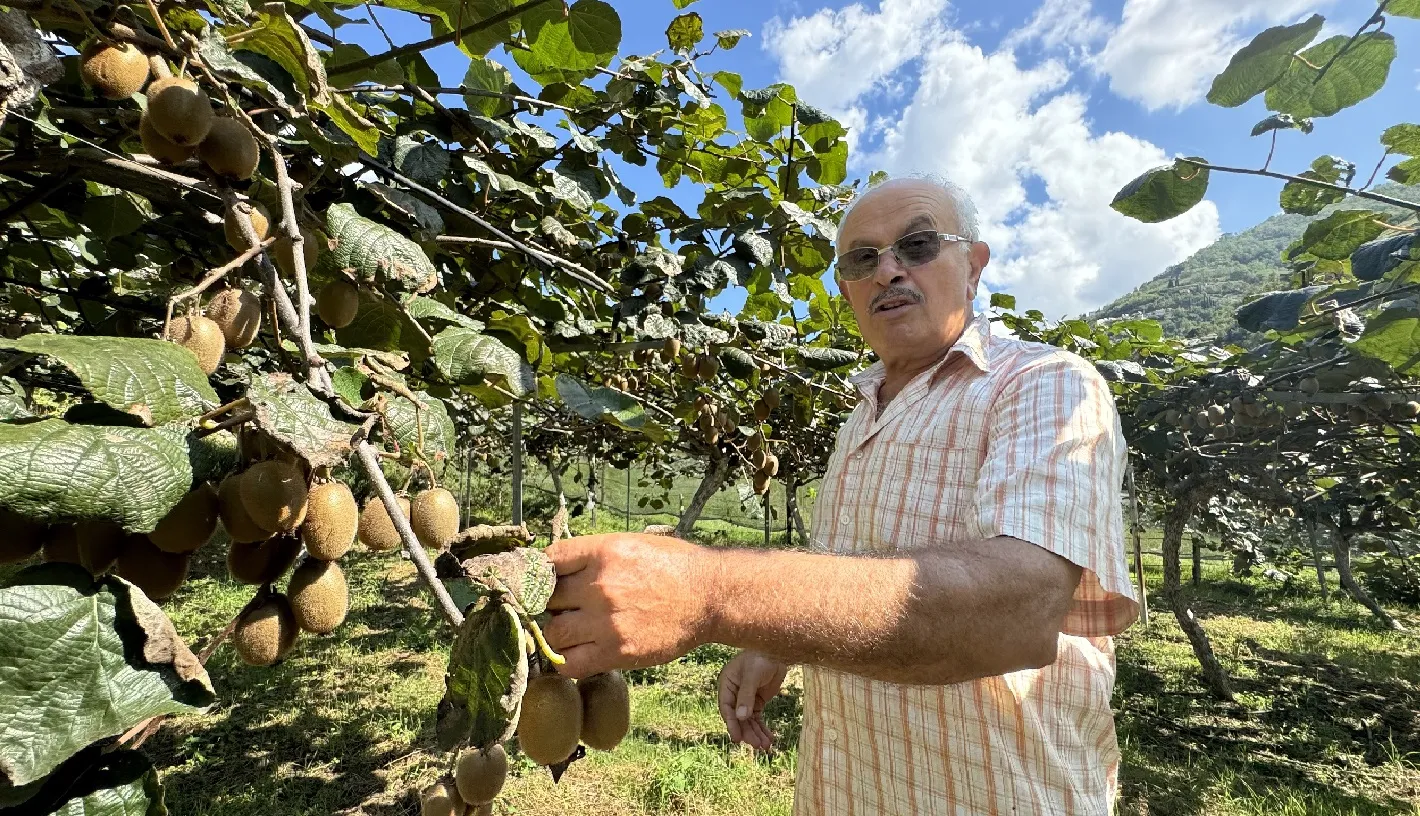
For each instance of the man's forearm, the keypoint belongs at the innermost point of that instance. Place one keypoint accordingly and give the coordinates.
(942, 615)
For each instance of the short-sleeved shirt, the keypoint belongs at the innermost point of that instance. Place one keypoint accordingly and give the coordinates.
(1002, 438)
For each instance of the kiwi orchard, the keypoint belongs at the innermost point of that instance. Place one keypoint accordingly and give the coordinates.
(259, 281)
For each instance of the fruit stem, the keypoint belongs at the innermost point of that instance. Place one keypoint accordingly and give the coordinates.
(552, 657)
(162, 27)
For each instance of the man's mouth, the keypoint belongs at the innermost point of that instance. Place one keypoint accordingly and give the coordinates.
(894, 303)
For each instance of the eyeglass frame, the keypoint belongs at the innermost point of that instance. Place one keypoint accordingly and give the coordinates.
(878, 253)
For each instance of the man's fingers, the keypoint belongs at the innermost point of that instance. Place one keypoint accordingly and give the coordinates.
(569, 592)
(583, 661)
(763, 740)
(568, 629)
(571, 554)
(744, 701)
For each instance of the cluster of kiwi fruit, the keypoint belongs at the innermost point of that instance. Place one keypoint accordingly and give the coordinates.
(766, 404)
(337, 302)
(433, 515)
(156, 562)
(712, 420)
(556, 714)
(703, 367)
(231, 320)
(765, 464)
(269, 512)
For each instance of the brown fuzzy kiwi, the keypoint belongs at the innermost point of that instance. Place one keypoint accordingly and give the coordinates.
(337, 304)
(260, 218)
(312, 245)
(550, 724)
(670, 349)
(377, 530)
(274, 495)
(180, 110)
(771, 465)
(114, 71)
(22, 539)
(319, 596)
(238, 313)
(157, 145)
(233, 513)
(441, 799)
(606, 710)
(262, 562)
(157, 573)
(434, 515)
(100, 544)
(229, 150)
(202, 337)
(189, 523)
(479, 775)
(61, 546)
(332, 518)
(761, 483)
(266, 633)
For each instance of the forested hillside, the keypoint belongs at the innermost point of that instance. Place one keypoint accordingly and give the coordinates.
(1197, 298)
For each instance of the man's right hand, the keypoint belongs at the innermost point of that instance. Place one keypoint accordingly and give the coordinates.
(746, 683)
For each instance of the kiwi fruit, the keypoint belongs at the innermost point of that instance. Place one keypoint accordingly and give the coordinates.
(157, 145)
(115, 71)
(434, 515)
(23, 538)
(319, 596)
(1407, 410)
(377, 530)
(606, 710)
(1309, 386)
(479, 775)
(233, 513)
(100, 543)
(180, 110)
(189, 523)
(771, 465)
(62, 546)
(331, 521)
(441, 799)
(157, 573)
(274, 495)
(771, 398)
(237, 313)
(285, 256)
(266, 633)
(550, 724)
(260, 218)
(670, 349)
(229, 149)
(262, 562)
(202, 337)
(761, 483)
(761, 410)
(337, 303)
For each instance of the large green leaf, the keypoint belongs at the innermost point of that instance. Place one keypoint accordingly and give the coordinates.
(1163, 193)
(1261, 62)
(14, 403)
(377, 253)
(155, 380)
(526, 572)
(486, 75)
(1355, 75)
(468, 357)
(597, 403)
(1338, 235)
(1403, 139)
(425, 162)
(288, 411)
(1404, 8)
(219, 58)
(93, 783)
(82, 659)
(438, 444)
(825, 359)
(1310, 199)
(1393, 337)
(278, 38)
(110, 216)
(486, 678)
(568, 43)
(685, 32)
(1371, 261)
(55, 471)
(1278, 311)
(379, 325)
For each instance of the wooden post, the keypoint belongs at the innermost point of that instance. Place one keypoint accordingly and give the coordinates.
(592, 487)
(1138, 550)
(1197, 542)
(768, 523)
(789, 512)
(628, 497)
(1316, 558)
(516, 443)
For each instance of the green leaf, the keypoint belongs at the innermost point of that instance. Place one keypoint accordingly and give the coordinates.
(468, 357)
(478, 43)
(754, 248)
(1163, 193)
(360, 130)
(1277, 311)
(1000, 300)
(730, 38)
(84, 659)
(680, 4)
(825, 359)
(568, 48)
(1308, 199)
(486, 678)
(61, 472)
(213, 49)
(385, 73)
(425, 162)
(124, 783)
(596, 403)
(1260, 63)
(738, 362)
(1338, 235)
(1373, 260)
(154, 380)
(1282, 121)
(110, 216)
(349, 382)
(425, 218)
(278, 38)
(568, 189)
(438, 446)
(526, 572)
(685, 32)
(14, 403)
(288, 411)
(1403, 139)
(379, 325)
(378, 253)
(1393, 337)
(830, 166)
(486, 75)
(1355, 75)
(730, 81)
(1407, 172)
(1404, 8)
(427, 308)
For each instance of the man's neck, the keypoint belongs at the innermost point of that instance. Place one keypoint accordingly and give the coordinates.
(902, 372)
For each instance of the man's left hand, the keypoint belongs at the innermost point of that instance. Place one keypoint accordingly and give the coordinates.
(627, 600)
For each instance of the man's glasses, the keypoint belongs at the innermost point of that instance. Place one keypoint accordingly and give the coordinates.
(913, 249)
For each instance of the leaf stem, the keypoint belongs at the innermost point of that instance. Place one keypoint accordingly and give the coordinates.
(1384, 199)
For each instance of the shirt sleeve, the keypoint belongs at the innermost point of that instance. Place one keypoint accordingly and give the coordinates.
(1054, 464)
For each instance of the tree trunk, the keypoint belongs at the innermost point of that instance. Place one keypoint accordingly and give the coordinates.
(1341, 545)
(592, 486)
(1316, 559)
(799, 523)
(516, 443)
(789, 512)
(1138, 550)
(715, 472)
(1197, 546)
(1177, 598)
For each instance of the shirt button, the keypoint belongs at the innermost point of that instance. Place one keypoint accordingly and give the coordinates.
(843, 518)
(830, 734)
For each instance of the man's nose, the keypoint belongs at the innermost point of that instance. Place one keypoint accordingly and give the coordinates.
(890, 269)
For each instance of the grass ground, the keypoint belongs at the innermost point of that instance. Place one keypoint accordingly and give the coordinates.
(1326, 720)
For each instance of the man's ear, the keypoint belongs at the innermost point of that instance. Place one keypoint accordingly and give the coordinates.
(979, 255)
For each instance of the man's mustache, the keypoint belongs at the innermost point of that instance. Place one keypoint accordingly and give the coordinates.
(895, 291)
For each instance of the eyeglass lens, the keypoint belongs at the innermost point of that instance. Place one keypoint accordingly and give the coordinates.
(913, 249)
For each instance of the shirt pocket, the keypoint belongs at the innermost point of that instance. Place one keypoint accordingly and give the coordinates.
(924, 491)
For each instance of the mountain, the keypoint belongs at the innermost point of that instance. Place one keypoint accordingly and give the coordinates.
(1197, 298)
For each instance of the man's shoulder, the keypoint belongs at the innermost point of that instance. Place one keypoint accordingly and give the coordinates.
(1014, 357)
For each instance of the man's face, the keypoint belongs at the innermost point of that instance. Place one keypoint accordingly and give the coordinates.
(910, 313)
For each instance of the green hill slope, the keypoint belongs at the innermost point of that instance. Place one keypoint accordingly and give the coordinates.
(1197, 298)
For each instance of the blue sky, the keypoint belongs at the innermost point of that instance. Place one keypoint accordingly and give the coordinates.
(1040, 109)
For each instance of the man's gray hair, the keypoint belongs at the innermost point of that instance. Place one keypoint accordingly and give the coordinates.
(967, 221)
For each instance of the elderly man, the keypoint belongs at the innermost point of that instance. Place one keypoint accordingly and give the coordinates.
(954, 617)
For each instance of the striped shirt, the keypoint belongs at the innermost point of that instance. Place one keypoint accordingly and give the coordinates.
(1001, 438)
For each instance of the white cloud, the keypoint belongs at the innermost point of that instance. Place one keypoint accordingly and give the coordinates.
(1165, 53)
(1002, 130)
(1061, 25)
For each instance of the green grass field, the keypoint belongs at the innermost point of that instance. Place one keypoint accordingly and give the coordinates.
(1326, 720)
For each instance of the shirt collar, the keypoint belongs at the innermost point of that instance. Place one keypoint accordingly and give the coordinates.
(974, 342)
